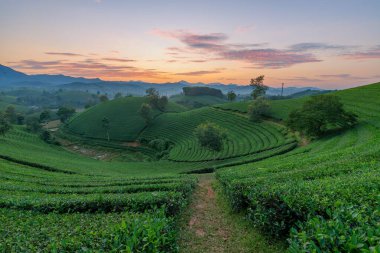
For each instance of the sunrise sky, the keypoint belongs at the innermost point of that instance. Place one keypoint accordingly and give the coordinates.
(329, 44)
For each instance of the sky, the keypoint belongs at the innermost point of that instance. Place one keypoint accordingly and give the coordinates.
(330, 44)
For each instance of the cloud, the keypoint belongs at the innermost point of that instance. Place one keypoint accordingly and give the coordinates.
(269, 58)
(371, 53)
(313, 46)
(302, 79)
(198, 73)
(337, 76)
(118, 59)
(88, 68)
(214, 46)
(62, 54)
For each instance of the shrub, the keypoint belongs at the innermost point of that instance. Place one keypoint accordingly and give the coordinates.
(259, 108)
(320, 114)
(210, 136)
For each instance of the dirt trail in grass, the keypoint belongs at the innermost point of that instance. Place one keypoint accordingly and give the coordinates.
(207, 225)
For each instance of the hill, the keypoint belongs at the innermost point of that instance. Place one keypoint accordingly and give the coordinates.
(319, 190)
(125, 121)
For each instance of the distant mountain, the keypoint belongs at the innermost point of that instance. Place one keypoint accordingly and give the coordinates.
(11, 79)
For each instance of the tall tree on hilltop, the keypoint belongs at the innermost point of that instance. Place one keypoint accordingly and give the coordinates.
(259, 89)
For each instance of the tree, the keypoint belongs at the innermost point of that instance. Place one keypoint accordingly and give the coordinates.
(10, 114)
(106, 126)
(210, 136)
(118, 95)
(231, 96)
(258, 108)
(20, 119)
(259, 89)
(103, 98)
(153, 97)
(33, 124)
(5, 125)
(146, 112)
(64, 113)
(45, 116)
(320, 114)
(162, 102)
(46, 136)
(155, 101)
(152, 92)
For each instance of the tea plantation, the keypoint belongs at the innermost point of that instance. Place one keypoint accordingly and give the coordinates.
(325, 196)
(322, 196)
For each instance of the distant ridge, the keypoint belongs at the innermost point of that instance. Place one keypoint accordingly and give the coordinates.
(12, 79)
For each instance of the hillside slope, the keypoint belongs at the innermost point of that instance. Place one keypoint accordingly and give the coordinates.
(123, 115)
(320, 189)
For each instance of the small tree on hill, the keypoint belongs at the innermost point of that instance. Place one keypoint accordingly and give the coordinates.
(162, 102)
(210, 136)
(231, 96)
(20, 119)
(258, 108)
(106, 127)
(10, 114)
(45, 116)
(259, 89)
(33, 124)
(146, 112)
(318, 115)
(64, 113)
(118, 95)
(103, 98)
(5, 126)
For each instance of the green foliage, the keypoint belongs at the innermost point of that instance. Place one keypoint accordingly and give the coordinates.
(106, 126)
(210, 136)
(145, 233)
(10, 114)
(258, 108)
(245, 138)
(33, 124)
(326, 193)
(155, 100)
(118, 95)
(197, 101)
(103, 98)
(162, 102)
(231, 96)
(347, 229)
(318, 115)
(64, 113)
(123, 113)
(146, 113)
(259, 89)
(151, 231)
(45, 116)
(5, 126)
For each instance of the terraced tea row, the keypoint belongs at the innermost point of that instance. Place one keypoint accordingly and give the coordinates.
(326, 193)
(52, 200)
(244, 137)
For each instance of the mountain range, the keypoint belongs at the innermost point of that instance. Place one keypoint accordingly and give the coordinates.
(12, 79)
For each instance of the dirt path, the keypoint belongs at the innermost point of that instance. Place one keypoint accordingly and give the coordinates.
(207, 225)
